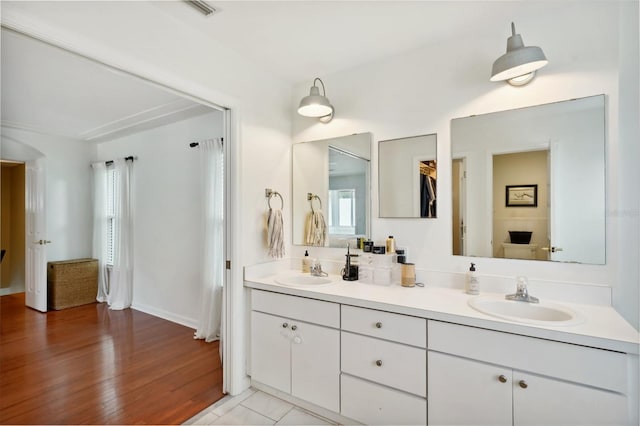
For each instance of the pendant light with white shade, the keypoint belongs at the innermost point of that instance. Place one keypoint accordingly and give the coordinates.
(316, 105)
(518, 66)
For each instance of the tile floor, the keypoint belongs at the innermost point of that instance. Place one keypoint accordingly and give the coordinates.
(254, 407)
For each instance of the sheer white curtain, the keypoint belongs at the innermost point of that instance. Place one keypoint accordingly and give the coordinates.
(212, 178)
(121, 281)
(100, 227)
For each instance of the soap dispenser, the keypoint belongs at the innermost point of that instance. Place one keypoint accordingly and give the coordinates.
(306, 262)
(472, 284)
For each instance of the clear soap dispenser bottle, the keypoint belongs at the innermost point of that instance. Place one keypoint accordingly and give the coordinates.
(472, 284)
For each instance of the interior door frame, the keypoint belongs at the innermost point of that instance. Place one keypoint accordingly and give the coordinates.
(235, 379)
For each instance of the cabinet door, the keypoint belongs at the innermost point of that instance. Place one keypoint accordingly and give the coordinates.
(544, 401)
(466, 392)
(270, 351)
(315, 365)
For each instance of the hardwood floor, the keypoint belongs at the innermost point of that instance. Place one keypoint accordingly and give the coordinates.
(90, 365)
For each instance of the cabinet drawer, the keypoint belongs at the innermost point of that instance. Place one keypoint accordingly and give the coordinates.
(293, 307)
(374, 404)
(594, 367)
(392, 364)
(385, 325)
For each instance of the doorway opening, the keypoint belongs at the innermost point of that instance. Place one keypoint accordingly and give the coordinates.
(12, 265)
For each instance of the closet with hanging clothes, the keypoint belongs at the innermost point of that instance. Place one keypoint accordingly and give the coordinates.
(428, 176)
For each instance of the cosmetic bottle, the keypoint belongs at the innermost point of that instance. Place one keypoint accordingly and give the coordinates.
(306, 262)
(391, 245)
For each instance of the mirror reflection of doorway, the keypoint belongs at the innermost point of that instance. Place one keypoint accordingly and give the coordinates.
(458, 190)
(510, 222)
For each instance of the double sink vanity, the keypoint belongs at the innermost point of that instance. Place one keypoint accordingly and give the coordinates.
(375, 354)
(435, 355)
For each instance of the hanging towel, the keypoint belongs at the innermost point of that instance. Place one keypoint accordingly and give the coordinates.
(316, 229)
(275, 233)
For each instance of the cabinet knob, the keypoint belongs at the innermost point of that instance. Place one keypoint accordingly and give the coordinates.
(502, 378)
(285, 325)
(523, 384)
(379, 363)
(294, 327)
(378, 325)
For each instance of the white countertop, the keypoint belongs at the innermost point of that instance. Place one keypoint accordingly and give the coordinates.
(602, 328)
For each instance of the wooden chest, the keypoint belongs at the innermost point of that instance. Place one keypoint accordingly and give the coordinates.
(71, 283)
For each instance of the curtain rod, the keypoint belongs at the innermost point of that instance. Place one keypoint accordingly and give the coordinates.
(194, 144)
(129, 158)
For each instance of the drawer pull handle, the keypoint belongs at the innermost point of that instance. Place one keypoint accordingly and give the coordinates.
(502, 379)
(378, 325)
(294, 327)
(523, 384)
(285, 325)
(379, 363)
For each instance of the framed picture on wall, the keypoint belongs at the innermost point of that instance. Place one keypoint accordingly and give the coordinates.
(521, 196)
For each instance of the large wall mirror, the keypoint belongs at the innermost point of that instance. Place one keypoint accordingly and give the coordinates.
(331, 189)
(407, 176)
(530, 183)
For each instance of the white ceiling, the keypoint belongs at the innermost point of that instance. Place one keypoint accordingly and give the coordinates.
(47, 89)
(298, 40)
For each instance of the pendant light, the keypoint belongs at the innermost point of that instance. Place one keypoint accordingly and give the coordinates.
(316, 105)
(518, 66)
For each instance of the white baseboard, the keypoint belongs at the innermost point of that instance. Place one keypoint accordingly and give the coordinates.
(169, 316)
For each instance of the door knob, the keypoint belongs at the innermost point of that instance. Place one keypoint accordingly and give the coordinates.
(502, 378)
(42, 242)
(294, 327)
(552, 249)
(378, 325)
(285, 325)
(379, 363)
(523, 384)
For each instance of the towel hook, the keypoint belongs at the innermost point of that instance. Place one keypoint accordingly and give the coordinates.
(269, 193)
(312, 197)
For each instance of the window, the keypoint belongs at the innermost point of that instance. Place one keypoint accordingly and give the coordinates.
(111, 214)
(342, 211)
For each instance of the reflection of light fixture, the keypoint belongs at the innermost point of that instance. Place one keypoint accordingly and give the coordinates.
(316, 105)
(518, 66)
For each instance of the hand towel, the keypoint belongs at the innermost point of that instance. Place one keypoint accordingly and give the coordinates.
(316, 229)
(275, 233)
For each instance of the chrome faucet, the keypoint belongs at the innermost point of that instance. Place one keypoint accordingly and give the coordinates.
(316, 269)
(522, 294)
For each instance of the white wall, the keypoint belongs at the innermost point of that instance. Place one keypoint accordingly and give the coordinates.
(419, 92)
(626, 211)
(168, 222)
(68, 193)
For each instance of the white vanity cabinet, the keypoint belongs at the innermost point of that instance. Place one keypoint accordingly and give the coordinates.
(384, 377)
(484, 377)
(295, 347)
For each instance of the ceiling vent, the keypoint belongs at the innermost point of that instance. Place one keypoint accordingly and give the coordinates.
(201, 5)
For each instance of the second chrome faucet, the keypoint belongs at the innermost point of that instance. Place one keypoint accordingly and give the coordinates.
(522, 293)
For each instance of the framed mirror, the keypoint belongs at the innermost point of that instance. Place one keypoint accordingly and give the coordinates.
(331, 191)
(529, 183)
(407, 176)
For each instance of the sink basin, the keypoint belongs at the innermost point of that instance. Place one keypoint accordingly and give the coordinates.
(302, 280)
(542, 313)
